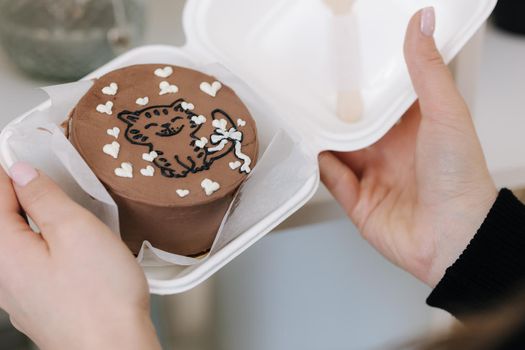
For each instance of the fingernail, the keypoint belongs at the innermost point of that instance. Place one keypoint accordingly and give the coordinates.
(23, 173)
(428, 21)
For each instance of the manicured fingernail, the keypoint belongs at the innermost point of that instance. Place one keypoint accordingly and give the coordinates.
(23, 173)
(428, 21)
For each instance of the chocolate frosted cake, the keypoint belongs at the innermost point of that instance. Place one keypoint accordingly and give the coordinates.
(171, 145)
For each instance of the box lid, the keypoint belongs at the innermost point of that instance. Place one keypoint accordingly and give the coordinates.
(282, 48)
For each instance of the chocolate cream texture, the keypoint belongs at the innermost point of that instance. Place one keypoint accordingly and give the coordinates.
(172, 146)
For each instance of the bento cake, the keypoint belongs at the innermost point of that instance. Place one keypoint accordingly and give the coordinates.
(172, 146)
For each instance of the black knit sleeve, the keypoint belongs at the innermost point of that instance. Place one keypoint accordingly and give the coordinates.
(492, 267)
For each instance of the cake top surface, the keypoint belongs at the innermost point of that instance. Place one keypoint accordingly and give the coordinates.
(165, 135)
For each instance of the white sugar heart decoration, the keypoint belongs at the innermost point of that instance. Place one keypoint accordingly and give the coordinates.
(202, 142)
(220, 124)
(111, 89)
(142, 101)
(112, 149)
(198, 119)
(211, 89)
(149, 157)
(148, 171)
(115, 132)
(210, 186)
(187, 106)
(182, 193)
(167, 88)
(107, 108)
(125, 170)
(164, 72)
(241, 122)
(235, 165)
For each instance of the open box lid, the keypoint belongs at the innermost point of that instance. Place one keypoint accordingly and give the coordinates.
(282, 49)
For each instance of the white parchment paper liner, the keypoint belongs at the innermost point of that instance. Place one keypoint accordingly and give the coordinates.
(278, 175)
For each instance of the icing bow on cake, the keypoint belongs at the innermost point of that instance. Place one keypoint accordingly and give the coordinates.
(222, 137)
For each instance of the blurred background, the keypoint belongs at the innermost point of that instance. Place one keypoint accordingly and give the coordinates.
(313, 283)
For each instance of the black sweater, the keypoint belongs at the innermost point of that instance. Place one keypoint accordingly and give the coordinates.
(492, 267)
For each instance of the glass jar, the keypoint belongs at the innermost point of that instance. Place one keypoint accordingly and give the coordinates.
(66, 39)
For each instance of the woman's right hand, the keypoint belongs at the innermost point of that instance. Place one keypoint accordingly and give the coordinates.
(75, 285)
(420, 194)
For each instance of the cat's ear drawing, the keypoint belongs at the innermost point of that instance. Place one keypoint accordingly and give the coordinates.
(176, 104)
(128, 117)
(220, 114)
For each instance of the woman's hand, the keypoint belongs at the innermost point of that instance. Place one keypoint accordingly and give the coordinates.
(420, 194)
(75, 285)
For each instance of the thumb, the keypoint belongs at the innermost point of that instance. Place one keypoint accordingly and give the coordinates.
(438, 95)
(43, 201)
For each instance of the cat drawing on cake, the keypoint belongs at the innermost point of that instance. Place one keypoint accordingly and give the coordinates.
(171, 134)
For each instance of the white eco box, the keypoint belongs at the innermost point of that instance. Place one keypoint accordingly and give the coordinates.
(280, 48)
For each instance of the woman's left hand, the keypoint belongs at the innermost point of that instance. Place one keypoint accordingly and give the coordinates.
(420, 193)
